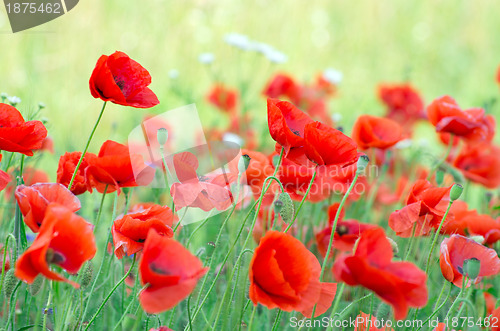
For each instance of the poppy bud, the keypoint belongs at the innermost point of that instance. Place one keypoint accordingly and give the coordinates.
(3, 96)
(244, 162)
(36, 286)
(439, 177)
(287, 210)
(41, 105)
(162, 136)
(456, 192)
(471, 267)
(9, 283)
(88, 273)
(383, 311)
(362, 163)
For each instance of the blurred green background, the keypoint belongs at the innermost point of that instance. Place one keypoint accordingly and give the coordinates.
(442, 47)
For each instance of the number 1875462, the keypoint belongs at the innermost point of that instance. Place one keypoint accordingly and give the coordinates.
(33, 8)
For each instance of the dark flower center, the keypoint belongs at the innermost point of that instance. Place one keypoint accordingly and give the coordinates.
(53, 257)
(158, 270)
(342, 230)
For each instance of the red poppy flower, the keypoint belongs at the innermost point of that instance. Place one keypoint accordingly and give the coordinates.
(284, 274)
(498, 75)
(295, 179)
(170, 272)
(400, 284)
(286, 123)
(121, 80)
(404, 104)
(67, 166)
(490, 302)
(115, 167)
(33, 201)
(283, 85)
(327, 146)
(259, 168)
(456, 249)
(470, 222)
(495, 320)
(472, 124)
(364, 323)
(16, 135)
(65, 239)
(224, 98)
(346, 234)
(130, 231)
(480, 164)
(161, 328)
(371, 131)
(425, 207)
(4, 179)
(205, 192)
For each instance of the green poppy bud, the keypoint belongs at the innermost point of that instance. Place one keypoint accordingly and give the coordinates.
(87, 274)
(162, 136)
(439, 177)
(287, 210)
(362, 163)
(9, 283)
(36, 286)
(456, 192)
(471, 268)
(244, 162)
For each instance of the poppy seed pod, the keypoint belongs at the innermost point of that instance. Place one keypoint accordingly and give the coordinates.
(9, 283)
(456, 192)
(439, 177)
(36, 286)
(162, 136)
(472, 267)
(88, 274)
(362, 163)
(287, 209)
(244, 162)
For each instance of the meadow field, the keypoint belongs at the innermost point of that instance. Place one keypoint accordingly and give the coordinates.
(327, 166)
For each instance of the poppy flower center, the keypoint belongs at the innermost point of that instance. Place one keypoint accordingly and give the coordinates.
(342, 230)
(158, 270)
(53, 257)
(120, 83)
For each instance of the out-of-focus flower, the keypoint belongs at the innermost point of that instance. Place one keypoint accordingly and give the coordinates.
(480, 164)
(378, 132)
(404, 104)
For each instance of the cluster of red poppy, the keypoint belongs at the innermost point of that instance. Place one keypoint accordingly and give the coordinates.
(311, 161)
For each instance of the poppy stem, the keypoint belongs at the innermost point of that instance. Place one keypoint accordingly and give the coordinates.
(266, 185)
(19, 229)
(443, 159)
(111, 292)
(303, 199)
(100, 208)
(436, 235)
(4, 260)
(277, 320)
(457, 299)
(87, 146)
(436, 310)
(334, 226)
(412, 241)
